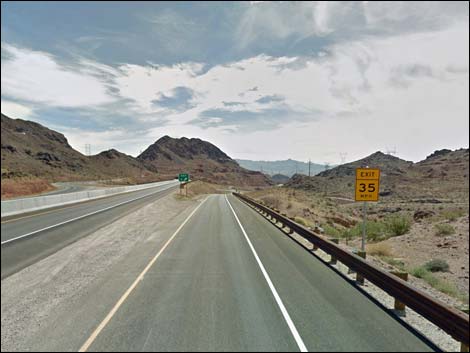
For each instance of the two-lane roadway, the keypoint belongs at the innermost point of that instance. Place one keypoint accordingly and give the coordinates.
(227, 280)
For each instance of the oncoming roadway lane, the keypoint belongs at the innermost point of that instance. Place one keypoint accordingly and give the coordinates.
(29, 238)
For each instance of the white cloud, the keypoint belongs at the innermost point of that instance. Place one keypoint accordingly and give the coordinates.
(280, 20)
(407, 89)
(353, 86)
(16, 110)
(37, 77)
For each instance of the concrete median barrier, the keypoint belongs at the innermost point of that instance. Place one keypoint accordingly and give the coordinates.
(19, 206)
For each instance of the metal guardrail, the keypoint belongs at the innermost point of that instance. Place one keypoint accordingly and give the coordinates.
(452, 321)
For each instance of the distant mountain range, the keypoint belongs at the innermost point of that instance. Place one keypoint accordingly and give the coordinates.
(443, 174)
(287, 167)
(29, 149)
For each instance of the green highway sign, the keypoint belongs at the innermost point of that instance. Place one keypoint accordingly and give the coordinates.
(182, 177)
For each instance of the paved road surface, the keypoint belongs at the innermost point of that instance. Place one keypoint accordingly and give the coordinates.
(27, 239)
(207, 292)
(219, 277)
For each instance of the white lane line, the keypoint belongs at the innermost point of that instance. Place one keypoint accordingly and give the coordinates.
(83, 216)
(290, 323)
(113, 311)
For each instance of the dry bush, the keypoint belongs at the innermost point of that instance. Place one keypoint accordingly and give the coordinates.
(271, 201)
(24, 187)
(379, 249)
(198, 187)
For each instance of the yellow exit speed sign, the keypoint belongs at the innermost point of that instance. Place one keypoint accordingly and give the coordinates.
(367, 184)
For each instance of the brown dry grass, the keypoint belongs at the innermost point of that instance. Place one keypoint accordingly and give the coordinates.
(379, 249)
(24, 187)
(198, 187)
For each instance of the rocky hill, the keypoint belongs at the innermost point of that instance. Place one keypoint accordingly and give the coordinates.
(280, 178)
(30, 149)
(442, 175)
(389, 165)
(201, 159)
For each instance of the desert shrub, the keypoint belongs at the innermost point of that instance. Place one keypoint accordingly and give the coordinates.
(419, 272)
(444, 229)
(289, 205)
(397, 225)
(302, 221)
(394, 262)
(436, 265)
(374, 230)
(379, 249)
(330, 230)
(441, 285)
(272, 201)
(452, 215)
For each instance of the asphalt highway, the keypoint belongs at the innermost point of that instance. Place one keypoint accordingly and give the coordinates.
(227, 280)
(216, 276)
(26, 239)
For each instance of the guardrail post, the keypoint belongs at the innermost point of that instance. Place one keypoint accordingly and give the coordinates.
(350, 270)
(359, 277)
(333, 259)
(400, 307)
(283, 225)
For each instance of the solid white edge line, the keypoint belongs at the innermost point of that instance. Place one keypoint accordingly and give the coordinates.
(278, 299)
(110, 315)
(83, 216)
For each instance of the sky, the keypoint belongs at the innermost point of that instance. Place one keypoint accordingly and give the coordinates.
(260, 80)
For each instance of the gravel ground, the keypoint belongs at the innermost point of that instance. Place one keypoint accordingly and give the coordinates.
(40, 302)
(428, 329)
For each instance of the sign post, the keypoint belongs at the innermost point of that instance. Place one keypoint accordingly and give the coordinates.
(367, 190)
(183, 178)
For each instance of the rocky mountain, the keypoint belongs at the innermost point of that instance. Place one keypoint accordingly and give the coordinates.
(389, 165)
(286, 167)
(442, 175)
(280, 178)
(29, 149)
(201, 159)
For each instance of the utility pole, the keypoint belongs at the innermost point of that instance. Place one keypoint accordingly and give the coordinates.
(309, 163)
(327, 166)
(141, 168)
(87, 149)
(343, 155)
